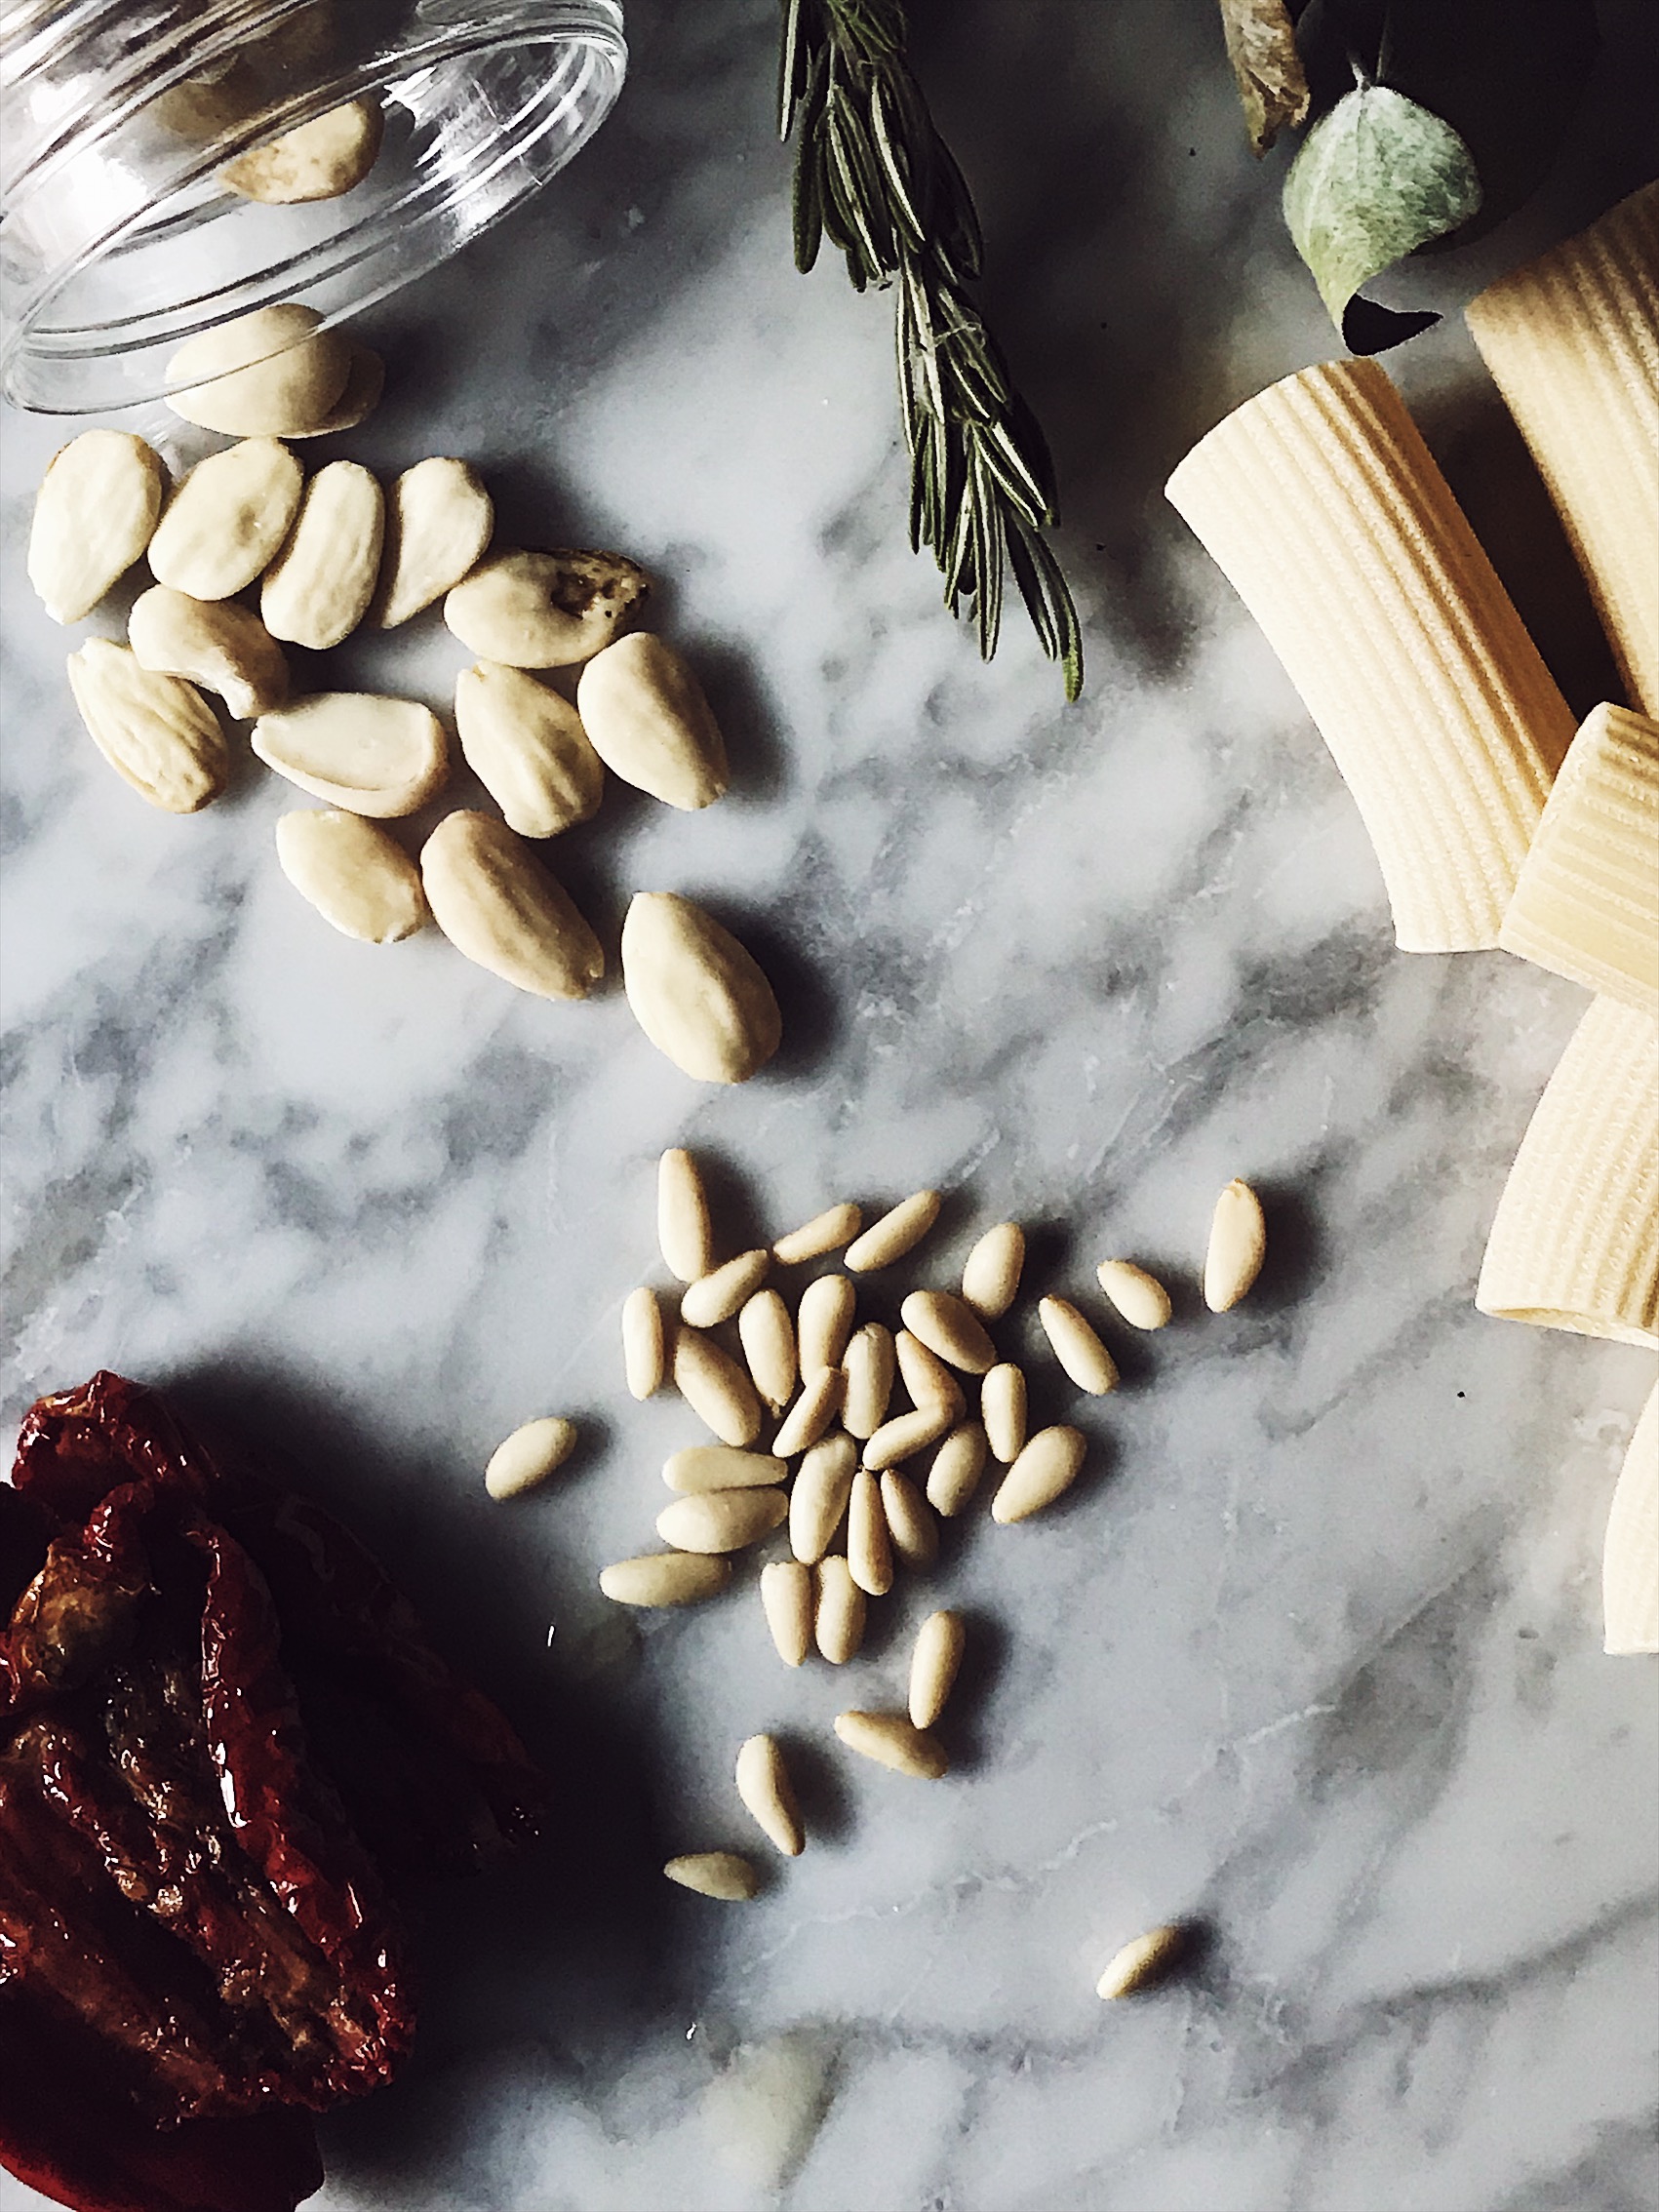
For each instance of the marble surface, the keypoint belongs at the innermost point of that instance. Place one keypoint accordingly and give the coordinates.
(1311, 1654)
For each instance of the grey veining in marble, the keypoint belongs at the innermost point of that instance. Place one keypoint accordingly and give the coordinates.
(1311, 1654)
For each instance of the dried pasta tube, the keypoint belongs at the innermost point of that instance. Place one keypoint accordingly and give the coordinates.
(1572, 342)
(1331, 521)
(1630, 1562)
(1576, 1243)
(1586, 901)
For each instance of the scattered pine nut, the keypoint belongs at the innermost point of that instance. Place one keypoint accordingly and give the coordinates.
(926, 1378)
(812, 1413)
(1049, 1463)
(1143, 1963)
(716, 1388)
(1002, 1408)
(1077, 1347)
(716, 1296)
(907, 1434)
(869, 1370)
(1139, 1297)
(826, 1232)
(825, 1323)
(890, 1740)
(869, 1547)
(786, 1599)
(957, 1467)
(1238, 1245)
(840, 1610)
(897, 1233)
(912, 1530)
(949, 1326)
(990, 1276)
(933, 1664)
(722, 1520)
(764, 1785)
(644, 1343)
(725, 1875)
(819, 1497)
(767, 1337)
(682, 1228)
(665, 1578)
(529, 1457)
(720, 1467)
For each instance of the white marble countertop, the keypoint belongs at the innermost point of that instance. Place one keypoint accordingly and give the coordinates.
(1311, 1655)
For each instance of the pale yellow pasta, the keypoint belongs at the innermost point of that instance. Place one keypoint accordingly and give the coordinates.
(1329, 517)
(1575, 1244)
(1586, 901)
(1572, 342)
(1630, 1559)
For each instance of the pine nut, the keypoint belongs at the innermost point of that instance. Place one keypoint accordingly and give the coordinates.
(1143, 1963)
(725, 1875)
(764, 1785)
(990, 1274)
(1141, 1298)
(1238, 1245)
(826, 1232)
(665, 1578)
(786, 1599)
(701, 1467)
(824, 1322)
(644, 1343)
(1002, 1408)
(913, 1531)
(933, 1665)
(683, 1229)
(907, 1434)
(722, 1520)
(890, 1740)
(931, 1386)
(767, 1337)
(818, 1496)
(869, 1547)
(716, 1296)
(716, 1388)
(897, 1233)
(810, 1414)
(1077, 1347)
(869, 1370)
(840, 1610)
(1048, 1465)
(529, 1457)
(957, 1467)
(949, 1326)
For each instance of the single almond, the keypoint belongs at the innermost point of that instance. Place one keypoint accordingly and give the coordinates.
(1141, 1298)
(699, 1468)
(869, 1546)
(868, 1365)
(826, 1232)
(95, 513)
(716, 1388)
(1077, 1347)
(157, 733)
(698, 994)
(319, 160)
(644, 1343)
(1002, 1409)
(812, 1413)
(818, 1496)
(912, 1530)
(933, 1664)
(929, 1382)
(683, 1233)
(957, 1467)
(1143, 1963)
(1238, 1245)
(1049, 1463)
(527, 748)
(364, 386)
(907, 1434)
(723, 1875)
(722, 1520)
(949, 1327)
(544, 609)
(226, 521)
(498, 905)
(318, 588)
(823, 1322)
(438, 522)
(529, 1457)
(898, 1231)
(373, 756)
(840, 1609)
(650, 723)
(716, 1296)
(354, 872)
(765, 1787)
(665, 1578)
(786, 1599)
(767, 1337)
(263, 374)
(214, 643)
(893, 1741)
(990, 1273)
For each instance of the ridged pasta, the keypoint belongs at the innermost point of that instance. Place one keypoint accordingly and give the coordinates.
(1630, 1557)
(1328, 513)
(1586, 901)
(1576, 1243)
(1572, 342)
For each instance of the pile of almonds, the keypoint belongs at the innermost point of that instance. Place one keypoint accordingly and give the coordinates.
(327, 553)
(854, 1406)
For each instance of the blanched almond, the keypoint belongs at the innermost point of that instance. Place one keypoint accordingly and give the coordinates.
(823, 1322)
(365, 384)
(529, 1457)
(949, 1327)
(698, 994)
(373, 756)
(1002, 1409)
(957, 1467)
(929, 1382)
(319, 160)
(212, 642)
(263, 374)
(722, 1520)
(990, 1273)
(1049, 1463)
(684, 1234)
(912, 1530)
(644, 1343)
(543, 610)
(157, 733)
(699, 1468)
(1141, 1298)
(812, 1413)
(890, 1740)
(95, 513)
(725, 1875)
(716, 1388)
(1238, 1245)
(840, 1610)
(818, 1496)
(767, 1337)
(869, 1546)
(318, 588)
(826, 1232)
(1143, 1963)
(933, 1665)
(438, 522)
(907, 1434)
(869, 1366)
(498, 905)
(665, 1578)
(786, 1599)
(716, 1296)
(1077, 1347)
(355, 875)
(650, 723)
(765, 1787)
(527, 748)
(898, 1232)
(226, 521)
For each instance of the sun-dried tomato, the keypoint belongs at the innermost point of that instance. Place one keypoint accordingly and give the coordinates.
(216, 1715)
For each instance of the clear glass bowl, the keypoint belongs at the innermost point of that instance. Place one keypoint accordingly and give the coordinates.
(117, 240)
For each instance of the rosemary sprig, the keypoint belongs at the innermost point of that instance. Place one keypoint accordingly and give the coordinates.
(872, 175)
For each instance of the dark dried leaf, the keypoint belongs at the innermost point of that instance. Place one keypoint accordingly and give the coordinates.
(1273, 87)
